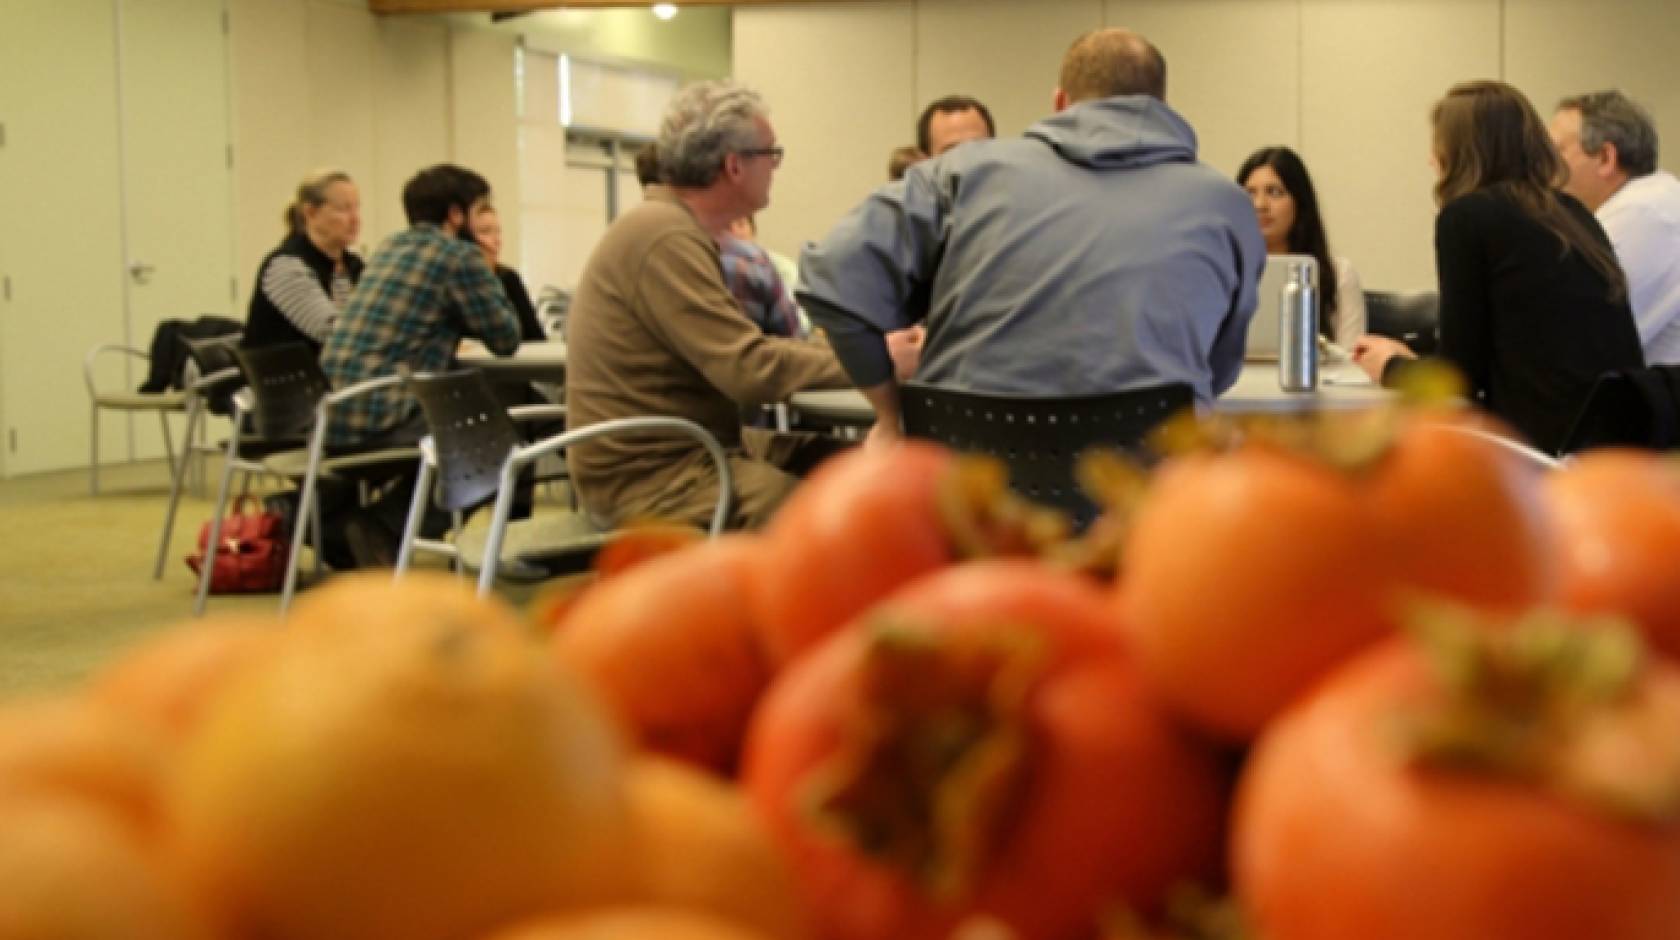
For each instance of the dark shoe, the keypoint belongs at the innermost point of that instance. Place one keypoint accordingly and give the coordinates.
(371, 544)
(284, 505)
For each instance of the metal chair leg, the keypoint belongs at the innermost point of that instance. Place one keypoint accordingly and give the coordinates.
(93, 458)
(308, 510)
(177, 481)
(215, 539)
(168, 442)
(416, 510)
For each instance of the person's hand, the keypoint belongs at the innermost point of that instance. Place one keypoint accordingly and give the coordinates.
(883, 435)
(469, 347)
(1373, 353)
(905, 349)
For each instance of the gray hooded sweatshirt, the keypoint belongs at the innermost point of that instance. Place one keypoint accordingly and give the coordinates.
(1092, 255)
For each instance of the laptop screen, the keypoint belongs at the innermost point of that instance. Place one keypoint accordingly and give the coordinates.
(1263, 331)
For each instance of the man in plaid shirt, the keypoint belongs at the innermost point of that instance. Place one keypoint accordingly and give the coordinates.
(424, 290)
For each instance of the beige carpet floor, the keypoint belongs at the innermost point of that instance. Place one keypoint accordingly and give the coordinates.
(76, 582)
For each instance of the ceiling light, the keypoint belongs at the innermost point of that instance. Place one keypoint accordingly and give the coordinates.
(664, 10)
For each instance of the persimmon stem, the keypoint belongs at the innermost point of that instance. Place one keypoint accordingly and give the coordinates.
(1550, 699)
(934, 756)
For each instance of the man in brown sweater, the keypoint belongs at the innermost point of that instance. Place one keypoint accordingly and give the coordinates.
(654, 331)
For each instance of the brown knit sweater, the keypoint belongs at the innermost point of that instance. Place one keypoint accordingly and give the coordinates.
(653, 330)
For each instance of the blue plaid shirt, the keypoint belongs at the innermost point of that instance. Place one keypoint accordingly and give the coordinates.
(422, 292)
(758, 289)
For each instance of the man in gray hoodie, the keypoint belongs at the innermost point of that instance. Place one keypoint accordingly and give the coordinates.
(1094, 254)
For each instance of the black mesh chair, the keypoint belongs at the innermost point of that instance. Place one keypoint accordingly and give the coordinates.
(1634, 408)
(283, 407)
(1040, 439)
(476, 453)
(472, 433)
(1412, 318)
(209, 393)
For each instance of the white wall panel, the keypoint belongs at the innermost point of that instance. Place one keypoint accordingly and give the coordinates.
(840, 82)
(411, 128)
(1005, 53)
(1233, 69)
(1371, 71)
(271, 144)
(1555, 48)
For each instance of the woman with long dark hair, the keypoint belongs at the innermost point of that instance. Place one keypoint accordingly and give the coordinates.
(1287, 208)
(1534, 307)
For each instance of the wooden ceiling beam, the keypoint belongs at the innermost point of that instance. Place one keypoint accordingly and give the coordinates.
(526, 6)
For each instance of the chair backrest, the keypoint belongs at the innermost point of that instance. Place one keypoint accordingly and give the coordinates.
(471, 432)
(1635, 408)
(286, 382)
(1411, 318)
(209, 356)
(1041, 439)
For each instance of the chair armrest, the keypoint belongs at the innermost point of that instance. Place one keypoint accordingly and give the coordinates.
(536, 412)
(103, 348)
(522, 457)
(360, 388)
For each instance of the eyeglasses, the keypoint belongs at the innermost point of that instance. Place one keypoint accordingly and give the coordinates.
(774, 153)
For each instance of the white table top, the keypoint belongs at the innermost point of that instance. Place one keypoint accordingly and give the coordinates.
(1341, 385)
(533, 362)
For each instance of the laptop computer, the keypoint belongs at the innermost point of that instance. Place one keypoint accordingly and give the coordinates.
(1264, 337)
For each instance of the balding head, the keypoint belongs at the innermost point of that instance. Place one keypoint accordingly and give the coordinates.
(1111, 62)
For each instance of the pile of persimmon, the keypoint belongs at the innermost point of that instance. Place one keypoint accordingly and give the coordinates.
(1371, 675)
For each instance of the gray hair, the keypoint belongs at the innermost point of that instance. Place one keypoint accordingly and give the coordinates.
(703, 123)
(312, 192)
(1612, 117)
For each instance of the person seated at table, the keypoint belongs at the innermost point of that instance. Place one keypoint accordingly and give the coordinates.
(654, 330)
(752, 277)
(423, 291)
(901, 160)
(1095, 254)
(647, 166)
(1286, 204)
(302, 285)
(486, 231)
(1534, 307)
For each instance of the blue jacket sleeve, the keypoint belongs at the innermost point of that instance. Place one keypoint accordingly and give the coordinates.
(882, 256)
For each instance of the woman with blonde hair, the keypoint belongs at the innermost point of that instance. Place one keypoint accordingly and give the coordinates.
(303, 284)
(1534, 306)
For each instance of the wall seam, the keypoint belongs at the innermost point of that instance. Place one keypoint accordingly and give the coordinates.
(1501, 26)
(915, 61)
(1301, 75)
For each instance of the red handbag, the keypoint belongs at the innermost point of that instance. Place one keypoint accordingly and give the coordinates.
(252, 555)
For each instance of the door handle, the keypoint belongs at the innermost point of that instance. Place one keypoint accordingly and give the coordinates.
(140, 271)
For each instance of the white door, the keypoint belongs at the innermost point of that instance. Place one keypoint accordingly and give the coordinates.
(114, 153)
(60, 191)
(177, 216)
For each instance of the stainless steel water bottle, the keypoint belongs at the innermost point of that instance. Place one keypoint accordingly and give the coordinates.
(1298, 329)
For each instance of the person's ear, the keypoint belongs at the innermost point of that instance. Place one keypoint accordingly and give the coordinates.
(1609, 161)
(1059, 101)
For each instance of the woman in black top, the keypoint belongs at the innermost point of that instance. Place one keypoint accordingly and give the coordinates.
(303, 284)
(1534, 306)
(485, 229)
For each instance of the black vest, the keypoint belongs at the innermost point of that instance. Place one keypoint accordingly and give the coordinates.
(265, 325)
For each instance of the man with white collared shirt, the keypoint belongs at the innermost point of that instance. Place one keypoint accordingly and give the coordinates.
(1609, 144)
